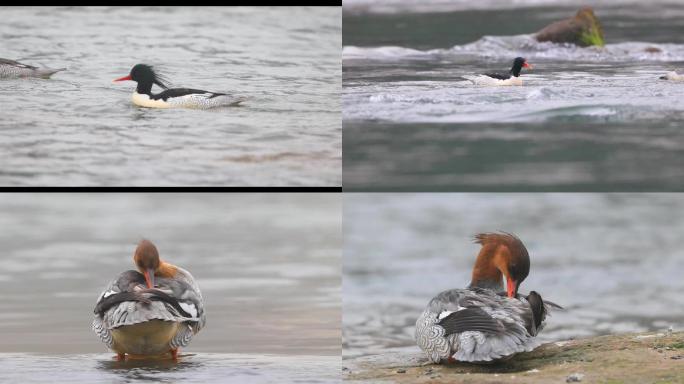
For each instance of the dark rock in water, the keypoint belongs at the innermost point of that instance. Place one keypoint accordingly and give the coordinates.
(653, 50)
(584, 30)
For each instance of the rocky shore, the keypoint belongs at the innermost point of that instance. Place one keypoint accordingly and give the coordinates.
(629, 358)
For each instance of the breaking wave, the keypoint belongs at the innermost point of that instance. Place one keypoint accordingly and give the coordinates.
(505, 47)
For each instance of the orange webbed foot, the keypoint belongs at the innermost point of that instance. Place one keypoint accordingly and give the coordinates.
(120, 356)
(174, 354)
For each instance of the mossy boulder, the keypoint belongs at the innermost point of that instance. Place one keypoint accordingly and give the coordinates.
(629, 358)
(584, 30)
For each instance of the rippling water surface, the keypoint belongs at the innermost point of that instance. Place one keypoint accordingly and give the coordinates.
(584, 119)
(80, 129)
(614, 261)
(191, 368)
(268, 266)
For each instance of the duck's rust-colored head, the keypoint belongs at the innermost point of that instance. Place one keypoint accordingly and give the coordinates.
(503, 255)
(146, 259)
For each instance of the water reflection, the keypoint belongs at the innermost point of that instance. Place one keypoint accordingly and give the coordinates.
(192, 368)
(149, 369)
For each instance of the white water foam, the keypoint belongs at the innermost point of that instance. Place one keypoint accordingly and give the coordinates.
(505, 47)
(434, 6)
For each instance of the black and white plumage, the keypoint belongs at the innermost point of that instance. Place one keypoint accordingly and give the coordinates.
(512, 77)
(479, 325)
(133, 318)
(10, 69)
(146, 76)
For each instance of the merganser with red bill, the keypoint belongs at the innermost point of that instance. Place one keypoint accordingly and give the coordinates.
(146, 76)
(10, 69)
(149, 312)
(484, 322)
(512, 77)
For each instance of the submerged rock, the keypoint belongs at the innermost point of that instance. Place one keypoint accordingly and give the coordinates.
(584, 30)
(629, 358)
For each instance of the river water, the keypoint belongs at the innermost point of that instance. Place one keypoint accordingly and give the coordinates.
(613, 261)
(268, 266)
(591, 119)
(80, 129)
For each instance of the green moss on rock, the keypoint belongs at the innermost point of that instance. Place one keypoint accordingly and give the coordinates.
(583, 29)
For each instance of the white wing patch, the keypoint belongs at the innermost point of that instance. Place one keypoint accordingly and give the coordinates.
(189, 308)
(108, 293)
(446, 313)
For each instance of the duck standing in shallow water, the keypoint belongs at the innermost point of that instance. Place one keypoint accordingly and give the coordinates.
(484, 322)
(149, 312)
(10, 69)
(146, 76)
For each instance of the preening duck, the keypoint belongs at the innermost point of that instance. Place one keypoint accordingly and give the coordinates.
(484, 322)
(146, 76)
(151, 311)
(10, 69)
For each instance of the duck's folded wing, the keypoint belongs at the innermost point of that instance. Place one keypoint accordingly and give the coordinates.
(16, 64)
(184, 289)
(470, 319)
(108, 298)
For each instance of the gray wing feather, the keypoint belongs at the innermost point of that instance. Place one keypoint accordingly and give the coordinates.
(16, 64)
(470, 319)
(102, 331)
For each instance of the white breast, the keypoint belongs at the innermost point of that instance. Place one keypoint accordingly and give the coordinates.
(145, 101)
(486, 80)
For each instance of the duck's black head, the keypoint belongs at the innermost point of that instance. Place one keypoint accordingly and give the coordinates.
(518, 64)
(145, 76)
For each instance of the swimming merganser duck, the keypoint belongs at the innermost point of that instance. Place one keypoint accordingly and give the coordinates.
(484, 322)
(149, 312)
(146, 76)
(510, 78)
(10, 69)
(672, 75)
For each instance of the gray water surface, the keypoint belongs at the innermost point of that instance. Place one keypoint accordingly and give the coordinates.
(191, 368)
(591, 119)
(268, 266)
(80, 129)
(613, 261)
